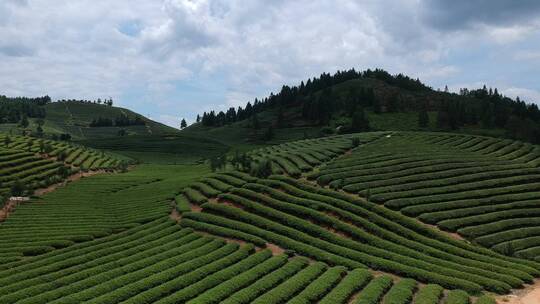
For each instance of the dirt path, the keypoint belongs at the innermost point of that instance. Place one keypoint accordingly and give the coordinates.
(453, 235)
(275, 249)
(71, 178)
(527, 295)
(11, 205)
(8, 208)
(175, 215)
(72, 120)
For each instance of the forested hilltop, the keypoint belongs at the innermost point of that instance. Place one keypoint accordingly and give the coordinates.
(350, 100)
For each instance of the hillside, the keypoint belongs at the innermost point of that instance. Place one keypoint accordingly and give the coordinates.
(298, 201)
(329, 104)
(75, 118)
(306, 241)
(28, 163)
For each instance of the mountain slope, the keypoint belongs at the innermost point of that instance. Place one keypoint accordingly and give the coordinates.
(390, 102)
(75, 118)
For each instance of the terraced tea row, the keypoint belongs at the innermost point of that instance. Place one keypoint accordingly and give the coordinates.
(28, 170)
(302, 156)
(71, 154)
(342, 230)
(89, 208)
(485, 189)
(159, 262)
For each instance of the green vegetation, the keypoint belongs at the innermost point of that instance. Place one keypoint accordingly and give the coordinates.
(28, 163)
(482, 188)
(91, 208)
(162, 149)
(259, 218)
(296, 216)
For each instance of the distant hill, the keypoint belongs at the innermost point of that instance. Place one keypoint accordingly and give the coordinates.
(327, 104)
(75, 118)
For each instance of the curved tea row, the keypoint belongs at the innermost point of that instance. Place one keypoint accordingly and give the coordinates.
(341, 230)
(485, 189)
(159, 262)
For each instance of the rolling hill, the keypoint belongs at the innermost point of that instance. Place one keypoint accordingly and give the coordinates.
(75, 118)
(288, 202)
(327, 104)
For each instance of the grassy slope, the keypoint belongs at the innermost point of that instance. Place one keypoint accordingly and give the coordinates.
(162, 149)
(74, 117)
(111, 202)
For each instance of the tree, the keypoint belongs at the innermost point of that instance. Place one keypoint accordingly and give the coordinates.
(24, 122)
(122, 132)
(442, 119)
(377, 106)
(423, 118)
(280, 117)
(268, 134)
(17, 189)
(263, 169)
(183, 124)
(123, 167)
(359, 121)
(39, 131)
(217, 163)
(198, 118)
(255, 124)
(63, 171)
(65, 136)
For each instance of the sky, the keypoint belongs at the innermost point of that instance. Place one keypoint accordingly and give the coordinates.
(173, 59)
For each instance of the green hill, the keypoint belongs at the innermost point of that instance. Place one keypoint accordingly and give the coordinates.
(75, 118)
(328, 192)
(328, 104)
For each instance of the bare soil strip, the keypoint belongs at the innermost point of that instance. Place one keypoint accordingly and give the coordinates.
(11, 205)
(527, 295)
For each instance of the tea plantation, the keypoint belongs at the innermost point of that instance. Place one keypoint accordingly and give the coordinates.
(334, 220)
(484, 189)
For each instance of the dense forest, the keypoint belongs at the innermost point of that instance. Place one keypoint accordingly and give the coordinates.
(15, 109)
(319, 101)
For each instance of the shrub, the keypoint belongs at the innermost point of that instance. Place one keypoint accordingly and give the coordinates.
(429, 294)
(457, 297)
(401, 293)
(374, 291)
(354, 281)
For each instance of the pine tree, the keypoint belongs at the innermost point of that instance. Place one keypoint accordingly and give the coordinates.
(255, 122)
(423, 118)
(268, 134)
(183, 123)
(24, 122)
(359, 121)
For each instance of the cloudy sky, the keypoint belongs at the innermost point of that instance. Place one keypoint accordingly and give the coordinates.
(169, 59)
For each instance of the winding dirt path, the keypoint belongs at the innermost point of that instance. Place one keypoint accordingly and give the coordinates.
(11, 205)
(527, 295)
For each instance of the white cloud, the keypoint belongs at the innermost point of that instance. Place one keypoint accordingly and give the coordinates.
(527, 55)
(527, 95)
(505, 35)
(148, 49)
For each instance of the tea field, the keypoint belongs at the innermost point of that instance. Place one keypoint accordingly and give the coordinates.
(381, 217)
